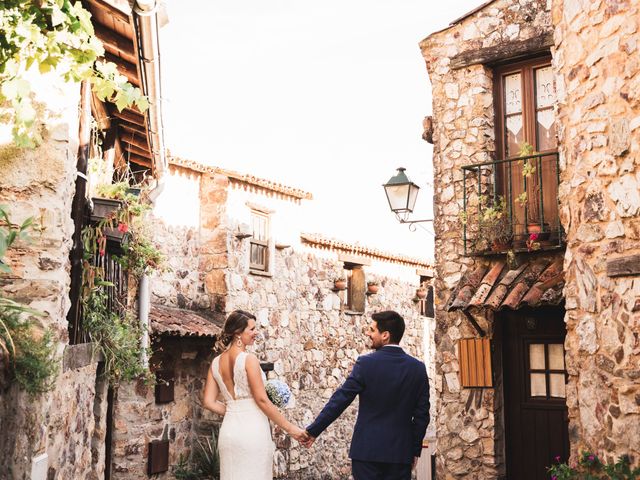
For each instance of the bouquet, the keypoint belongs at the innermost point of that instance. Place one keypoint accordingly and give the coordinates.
(278, 392)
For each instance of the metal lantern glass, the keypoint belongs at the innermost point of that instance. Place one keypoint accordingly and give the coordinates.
(401, 193)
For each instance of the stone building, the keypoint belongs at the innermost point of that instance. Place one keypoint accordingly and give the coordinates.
(234, 242)
(535, 133)
(62, 433)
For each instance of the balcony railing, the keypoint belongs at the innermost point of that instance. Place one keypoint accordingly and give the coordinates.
(512, 204)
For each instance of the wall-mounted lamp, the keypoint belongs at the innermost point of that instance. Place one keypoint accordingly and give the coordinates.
(402, 194)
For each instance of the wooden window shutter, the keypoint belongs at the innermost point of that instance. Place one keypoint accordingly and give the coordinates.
(158, 456)
(357, 290)
(474, 357)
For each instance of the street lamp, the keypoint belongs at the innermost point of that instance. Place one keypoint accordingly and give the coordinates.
(402, 194)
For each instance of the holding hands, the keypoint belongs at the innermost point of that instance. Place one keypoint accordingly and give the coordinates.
(302, 436)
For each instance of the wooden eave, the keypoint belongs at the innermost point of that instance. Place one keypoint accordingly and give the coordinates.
(114, 26)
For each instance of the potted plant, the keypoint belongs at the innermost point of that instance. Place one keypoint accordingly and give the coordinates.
(372, 287)
(494, 226)
(340, 283)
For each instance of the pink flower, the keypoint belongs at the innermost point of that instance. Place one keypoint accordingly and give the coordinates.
(123, 227)
(553, 477)
(592, 458)
(101, 252)
(557, 458)
(533, 237)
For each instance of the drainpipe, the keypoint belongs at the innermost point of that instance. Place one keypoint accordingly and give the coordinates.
(143, 314)
(145, 13)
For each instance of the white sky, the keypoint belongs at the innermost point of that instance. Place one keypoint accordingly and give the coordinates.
(327, 96)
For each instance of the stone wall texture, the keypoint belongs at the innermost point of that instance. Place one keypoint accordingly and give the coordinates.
(598, 77)
(596, 64)
(138, 419)
(311, 340)
(470, 438)
(40, 183)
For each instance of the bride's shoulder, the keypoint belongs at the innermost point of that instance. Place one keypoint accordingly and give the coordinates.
(251, 359)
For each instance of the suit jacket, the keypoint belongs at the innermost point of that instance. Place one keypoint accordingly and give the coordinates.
(393, 413)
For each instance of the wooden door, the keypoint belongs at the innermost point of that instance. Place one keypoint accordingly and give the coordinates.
(536, 419)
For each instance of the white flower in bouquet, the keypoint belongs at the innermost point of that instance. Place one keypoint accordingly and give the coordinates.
(278, 392)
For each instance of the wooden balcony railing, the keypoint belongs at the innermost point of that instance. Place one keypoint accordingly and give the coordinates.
(512, 204)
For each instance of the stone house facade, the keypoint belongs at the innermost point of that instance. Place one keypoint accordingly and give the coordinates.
(559, 315)
(63, 433)
(234, 243)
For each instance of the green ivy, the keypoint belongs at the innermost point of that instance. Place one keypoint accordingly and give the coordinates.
(52, 35)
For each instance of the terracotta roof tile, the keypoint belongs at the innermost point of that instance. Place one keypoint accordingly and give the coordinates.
(534, 283)
(183, 323)
(242, 178)
(320, 241)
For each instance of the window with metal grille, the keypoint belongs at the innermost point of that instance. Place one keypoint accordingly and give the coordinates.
(259, 244)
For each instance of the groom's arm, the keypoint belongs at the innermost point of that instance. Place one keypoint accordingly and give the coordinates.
(421, 414)
(340, 400)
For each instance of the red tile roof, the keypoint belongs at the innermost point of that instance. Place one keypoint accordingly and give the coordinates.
(320, 241)
(244, 179)
(183, 323)
(495, 286)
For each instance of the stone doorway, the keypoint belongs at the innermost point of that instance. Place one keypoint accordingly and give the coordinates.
(536, 419)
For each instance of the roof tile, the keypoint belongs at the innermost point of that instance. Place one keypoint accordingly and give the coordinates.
(183, 323)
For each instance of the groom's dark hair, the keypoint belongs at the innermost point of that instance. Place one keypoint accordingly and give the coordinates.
(392, 322)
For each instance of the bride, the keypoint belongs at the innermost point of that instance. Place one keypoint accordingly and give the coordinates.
(244, 443)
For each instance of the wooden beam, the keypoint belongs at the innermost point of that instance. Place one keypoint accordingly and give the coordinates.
(106, 7)
(100, 113)
(503, 51)
(145, 162)
(135, 140)
(619, 267)
(129, 116)
(137, 151)
(127, 69)
(116, 43)
(130, 127)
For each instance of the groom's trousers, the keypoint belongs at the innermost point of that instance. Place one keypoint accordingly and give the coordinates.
(380, 471)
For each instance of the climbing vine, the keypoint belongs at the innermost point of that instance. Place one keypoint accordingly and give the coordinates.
(52, 35)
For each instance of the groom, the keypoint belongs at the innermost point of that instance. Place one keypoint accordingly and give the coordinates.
(394, 405)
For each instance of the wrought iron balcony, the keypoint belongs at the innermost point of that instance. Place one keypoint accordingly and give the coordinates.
(512, 204)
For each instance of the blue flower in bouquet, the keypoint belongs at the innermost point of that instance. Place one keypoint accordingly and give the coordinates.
(278, 392)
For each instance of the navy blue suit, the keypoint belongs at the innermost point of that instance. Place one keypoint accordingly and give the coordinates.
(394, 407)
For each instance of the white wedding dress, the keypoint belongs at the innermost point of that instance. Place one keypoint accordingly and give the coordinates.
(244, 443)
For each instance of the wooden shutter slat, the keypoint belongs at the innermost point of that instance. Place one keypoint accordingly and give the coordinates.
(357, 290)
(474, 358)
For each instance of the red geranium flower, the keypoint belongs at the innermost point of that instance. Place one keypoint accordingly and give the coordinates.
(123, 227)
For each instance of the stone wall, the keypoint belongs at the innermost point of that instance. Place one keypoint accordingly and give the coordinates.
(598, 79)
(139, 419)
(312, 342)
(470, 440)
(40, 183)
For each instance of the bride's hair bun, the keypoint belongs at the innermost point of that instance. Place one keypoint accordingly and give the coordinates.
(235, 323)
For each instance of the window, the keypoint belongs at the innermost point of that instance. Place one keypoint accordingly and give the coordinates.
(426, 303)
(259, 244)
(546, 372)
(524, 101)
(354, 295)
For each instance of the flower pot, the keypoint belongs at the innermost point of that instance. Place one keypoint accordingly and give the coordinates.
(372, 288)
(104, 208)
(537, 229)
(340, 284)
(421, 293)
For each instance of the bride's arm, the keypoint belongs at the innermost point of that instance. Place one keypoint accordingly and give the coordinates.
(210, 396)
(256, 385)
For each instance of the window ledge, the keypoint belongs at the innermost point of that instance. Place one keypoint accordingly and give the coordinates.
(260, 273)
(352, 312)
